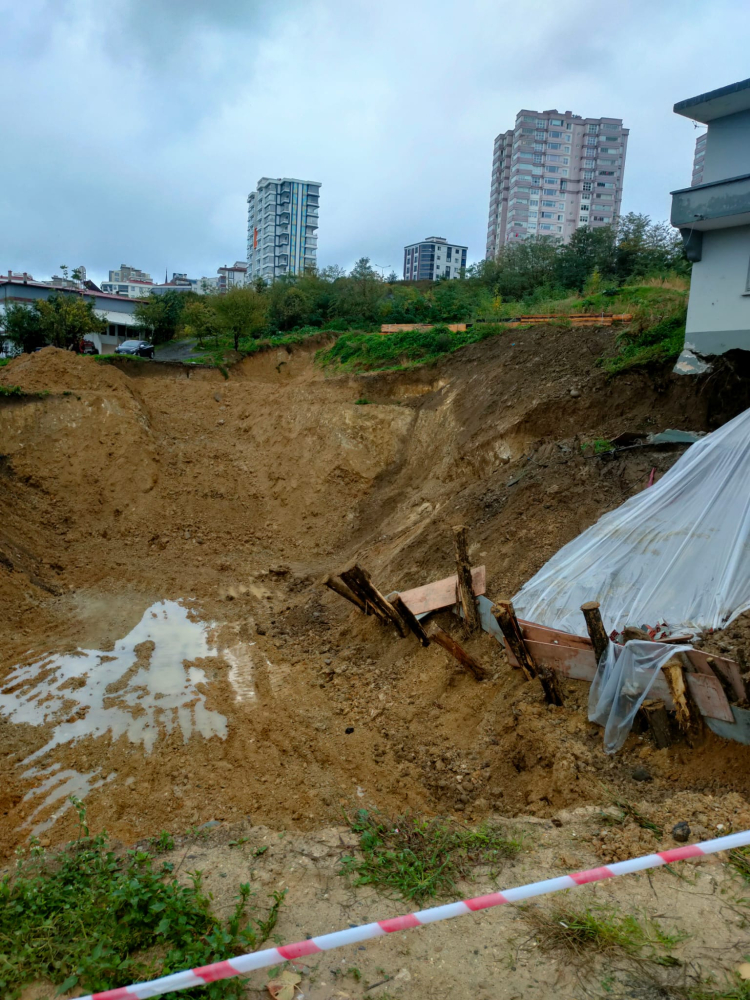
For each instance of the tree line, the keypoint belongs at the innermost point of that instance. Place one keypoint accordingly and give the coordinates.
(537, 268)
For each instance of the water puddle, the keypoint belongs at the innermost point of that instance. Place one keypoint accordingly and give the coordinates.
(147, 686)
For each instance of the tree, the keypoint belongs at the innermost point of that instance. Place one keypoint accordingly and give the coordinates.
(159, 316)
(22, 327)
(199, 319)
(66, 318)
(241, 313)
(61, 320)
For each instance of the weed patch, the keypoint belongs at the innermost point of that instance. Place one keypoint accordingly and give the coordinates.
(739, 860)
(652, 345)
(578, 931)
(421, 858)
(87, 917)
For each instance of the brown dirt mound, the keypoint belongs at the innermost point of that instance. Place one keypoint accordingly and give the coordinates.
(54, 370)
(234, 497)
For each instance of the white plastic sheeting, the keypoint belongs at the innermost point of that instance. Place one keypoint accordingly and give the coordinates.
(623, 680)
(676, 552)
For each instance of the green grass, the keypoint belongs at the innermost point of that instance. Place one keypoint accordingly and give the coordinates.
(739, 860)
(734, 989)
(90, 918)
(111, 359)
(418, 858)
(15, 391)
(653, 345)
(360, 352)
(578, 930)
(5, 361)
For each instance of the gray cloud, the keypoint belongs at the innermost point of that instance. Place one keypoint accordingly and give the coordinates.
(132, 131)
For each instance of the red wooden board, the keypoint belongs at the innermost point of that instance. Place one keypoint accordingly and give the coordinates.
(441, 594)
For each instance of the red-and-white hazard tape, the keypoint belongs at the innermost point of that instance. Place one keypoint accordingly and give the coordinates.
(272, 956)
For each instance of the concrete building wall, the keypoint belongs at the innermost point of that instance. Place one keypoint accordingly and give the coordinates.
(718, 317)
(727, 148)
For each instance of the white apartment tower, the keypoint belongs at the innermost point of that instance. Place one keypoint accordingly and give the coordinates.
(553, 173)
(282, 223)
(433, 258)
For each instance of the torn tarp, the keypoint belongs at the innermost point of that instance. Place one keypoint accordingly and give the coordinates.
(624, 677)
(677, 552)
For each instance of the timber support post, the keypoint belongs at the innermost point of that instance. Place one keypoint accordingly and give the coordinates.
(411, 620)
(441, 637)
(340, 588)
(505, 616)
(359, 580)
(687, 713)
(465, 585)
(595, 628)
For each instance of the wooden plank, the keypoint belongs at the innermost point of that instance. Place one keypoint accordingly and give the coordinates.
(708, 695)
(728, 668)
(540, 633)
(442, 593)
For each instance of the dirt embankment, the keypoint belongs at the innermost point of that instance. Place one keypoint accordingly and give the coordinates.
(153, 520)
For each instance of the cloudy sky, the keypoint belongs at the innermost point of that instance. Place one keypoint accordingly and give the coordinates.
(132, 130)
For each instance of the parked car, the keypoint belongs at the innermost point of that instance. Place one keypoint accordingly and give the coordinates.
(88, 347)
(140, 348)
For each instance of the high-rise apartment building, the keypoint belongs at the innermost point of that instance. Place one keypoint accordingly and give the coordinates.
(433, 258)
(698, 158)
(282, 223)
(553, 173)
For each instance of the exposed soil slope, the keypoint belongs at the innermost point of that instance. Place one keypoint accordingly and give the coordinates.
(126, 488)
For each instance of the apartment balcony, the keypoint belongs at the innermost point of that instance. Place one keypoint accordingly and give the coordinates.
(716, 205)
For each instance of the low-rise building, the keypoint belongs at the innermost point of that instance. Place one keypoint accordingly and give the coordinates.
(433, 258)
(131, 289)
(232, 275)
(713, 217)
(117, 310)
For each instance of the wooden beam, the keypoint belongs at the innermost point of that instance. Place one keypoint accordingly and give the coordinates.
(441, 637)
(441, 593)
(505, 617)
(595, 627)
(465, 587)
(359, 580)
(411, 620)
(340, 588)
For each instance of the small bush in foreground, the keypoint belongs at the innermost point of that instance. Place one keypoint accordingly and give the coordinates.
(88, 918)
(421, 858)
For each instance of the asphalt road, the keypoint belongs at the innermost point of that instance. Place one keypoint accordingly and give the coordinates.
(177, 350)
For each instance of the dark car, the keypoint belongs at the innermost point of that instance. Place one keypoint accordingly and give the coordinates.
(140, 348)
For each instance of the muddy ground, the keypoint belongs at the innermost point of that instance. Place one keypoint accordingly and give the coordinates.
(168, 653)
